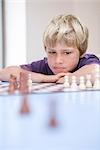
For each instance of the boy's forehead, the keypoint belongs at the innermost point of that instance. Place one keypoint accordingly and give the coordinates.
(69, 49)
(60, 46)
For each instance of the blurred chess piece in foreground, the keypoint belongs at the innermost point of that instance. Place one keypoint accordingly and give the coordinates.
(12, 84)
(23, 88)
(25, 83)
(53, 122)
(25, 108)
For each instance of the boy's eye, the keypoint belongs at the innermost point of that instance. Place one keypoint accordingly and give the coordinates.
(51, 52)
(67, 53)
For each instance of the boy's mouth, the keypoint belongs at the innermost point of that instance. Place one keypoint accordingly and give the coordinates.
(59, 69)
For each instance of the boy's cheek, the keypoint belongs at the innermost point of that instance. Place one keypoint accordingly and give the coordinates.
(50, 61)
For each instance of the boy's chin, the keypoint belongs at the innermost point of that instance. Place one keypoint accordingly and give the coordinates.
(57, 72)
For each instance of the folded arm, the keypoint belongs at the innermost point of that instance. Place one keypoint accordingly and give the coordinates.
(83, 71)
(36, 77)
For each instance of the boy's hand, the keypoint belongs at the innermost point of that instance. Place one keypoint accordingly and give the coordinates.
(61, 80)
(54, 78)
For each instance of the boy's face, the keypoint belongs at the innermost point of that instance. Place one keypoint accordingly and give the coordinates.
(62, 58)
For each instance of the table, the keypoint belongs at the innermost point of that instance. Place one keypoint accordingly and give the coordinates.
(77, 115)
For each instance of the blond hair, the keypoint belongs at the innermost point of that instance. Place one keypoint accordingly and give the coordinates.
(67, 29)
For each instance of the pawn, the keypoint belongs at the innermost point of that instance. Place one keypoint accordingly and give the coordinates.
(96, 84)
(53, 122)
(12, 84)
(82, 85)
(23, 88)
(66, 82)
(29, 82)
(74, 83)
(53, 116)
(88, 81)
(24, 106)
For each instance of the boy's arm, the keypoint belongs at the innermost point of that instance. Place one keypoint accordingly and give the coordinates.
(36, 77)
(6, 72)
(83, 71)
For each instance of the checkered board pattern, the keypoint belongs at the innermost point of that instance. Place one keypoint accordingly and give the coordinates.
(41, 88)
(36, 88)
(47, 87)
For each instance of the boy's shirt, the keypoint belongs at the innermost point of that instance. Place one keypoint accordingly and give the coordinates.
(41, 66)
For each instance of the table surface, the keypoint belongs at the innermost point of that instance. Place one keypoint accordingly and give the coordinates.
(77, 115)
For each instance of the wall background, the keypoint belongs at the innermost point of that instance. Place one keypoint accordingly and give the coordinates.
(39, 14)
(26, 20)
(15, 31)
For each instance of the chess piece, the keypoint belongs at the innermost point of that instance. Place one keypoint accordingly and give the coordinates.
(96, 84)
(53, 120)
(74, 85)
(24, 106)
(12, 84)
(29, 82)
(23, 87)
(66, 82)
(82, 85)
(88, 81)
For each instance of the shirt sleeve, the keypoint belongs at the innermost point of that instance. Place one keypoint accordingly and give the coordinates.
(40, 66)
(27, 67)
(88, 59)
(35, 66)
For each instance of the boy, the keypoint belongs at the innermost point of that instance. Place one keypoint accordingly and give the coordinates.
(65, 41)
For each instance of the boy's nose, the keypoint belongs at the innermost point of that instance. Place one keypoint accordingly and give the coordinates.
(59, 59)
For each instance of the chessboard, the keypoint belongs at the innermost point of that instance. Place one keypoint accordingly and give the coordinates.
(42, 88)
(35, 88)
(49, 116)
(25, 85)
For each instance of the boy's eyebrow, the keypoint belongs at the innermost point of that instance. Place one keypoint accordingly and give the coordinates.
(64, 50)
(67, 50)
(49, 49)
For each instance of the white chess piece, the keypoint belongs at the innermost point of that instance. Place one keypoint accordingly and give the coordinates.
(88, 81)
(29, 82)
(66, 82)
(82, 85)
(96, 84)
(74, 85)
(96, 72)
